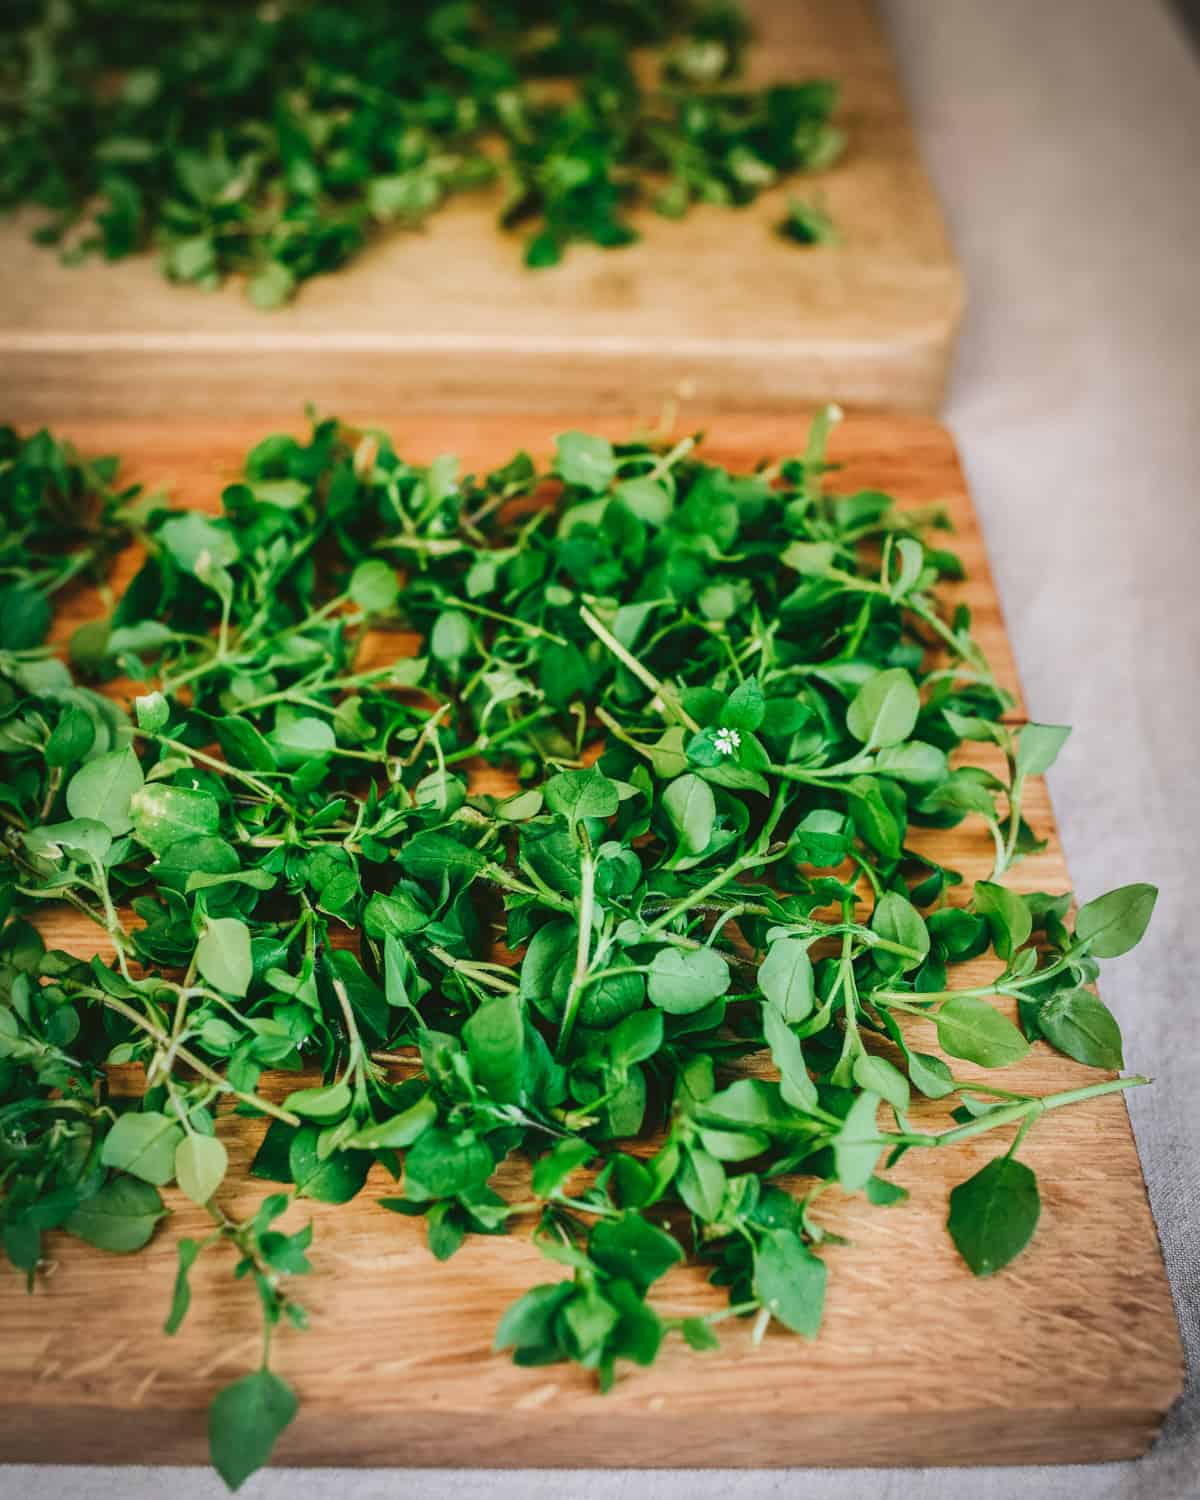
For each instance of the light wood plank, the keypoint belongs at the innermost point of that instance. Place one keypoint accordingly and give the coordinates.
(720, 305)
(1069, 1355)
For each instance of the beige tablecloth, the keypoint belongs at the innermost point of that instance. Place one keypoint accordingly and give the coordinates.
(1064, 136)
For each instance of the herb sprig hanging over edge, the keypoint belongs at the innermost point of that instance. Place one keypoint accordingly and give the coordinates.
(275, 145)
(729, 702)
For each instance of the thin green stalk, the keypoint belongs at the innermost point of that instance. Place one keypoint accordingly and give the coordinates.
(662, 693)
(586, 916)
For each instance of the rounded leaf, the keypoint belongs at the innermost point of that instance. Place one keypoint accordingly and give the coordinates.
(968, 1027)
(885, 709)
(1112, 924)
(200, 1164)
(374, 587)
(692, 809)
(1081, 1025)
(789, 1281)
(223, 955)
(993, 1214)
(244, 1421)
(103, 790)
(785, 977)
(686, 980)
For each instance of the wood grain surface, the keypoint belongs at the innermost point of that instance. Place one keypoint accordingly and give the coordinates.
(719, 304)
(1069, 1355)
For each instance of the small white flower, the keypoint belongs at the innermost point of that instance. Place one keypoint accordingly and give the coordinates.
(726, 741)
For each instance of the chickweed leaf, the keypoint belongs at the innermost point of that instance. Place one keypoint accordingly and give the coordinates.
(1114, 923)
(244, 1422)
(993, 1215)
(200, 1165)
(884, 709)
(971, 1028)
(1081, 1025)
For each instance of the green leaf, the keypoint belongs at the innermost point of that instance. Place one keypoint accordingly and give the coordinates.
(244, 1423)
(332, 1179)
(912, 562)
(1008, 917)
(897, 920)
(398, 1132)
(103, 789)
(71, 738)
(450, 639)
(808, 557)
(394, 916)
(24, 617)
(586, 460)
(1112, 924)
(789, 1281)
(647, 499)
(194, 541)
(328, 1103)
(930, 1074)
(444, 1163)
(120, 1217)
(701, 1182)
(299, 738)
(884, 710)
(162, 815)
(1038, 746)
(521, 805)
(881, 1077)
(284, 492)
(874, 820)
(495, 1041)
(272, 286)
(144, 1145)
(223, 955)
(968, 1027)
(200, 1165)
(78, 838)
(153, 712)
(785, 977)
(689, 803)
(635, 1038)
(181, 1297)
(374, 586)
(582, 794)
(857, 1145)
(746, 707)
(698, 1335)
(796, 1087)
(430, 855)
(529, 1325)
(916, 763)
(993, 1215)
(634, 1249)
(821, 838)
(242, 744)
(686, 980)
(882, 1193)
(1081, 1025)
(553, 1169)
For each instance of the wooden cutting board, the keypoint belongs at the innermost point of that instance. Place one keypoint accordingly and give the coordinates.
(719, 305)
(1069, 1355)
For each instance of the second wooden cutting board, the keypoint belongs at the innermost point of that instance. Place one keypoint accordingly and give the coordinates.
(718, 305)
(1070, 1355)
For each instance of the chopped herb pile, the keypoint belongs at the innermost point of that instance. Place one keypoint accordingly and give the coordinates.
(274, 141)
(727, 701)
